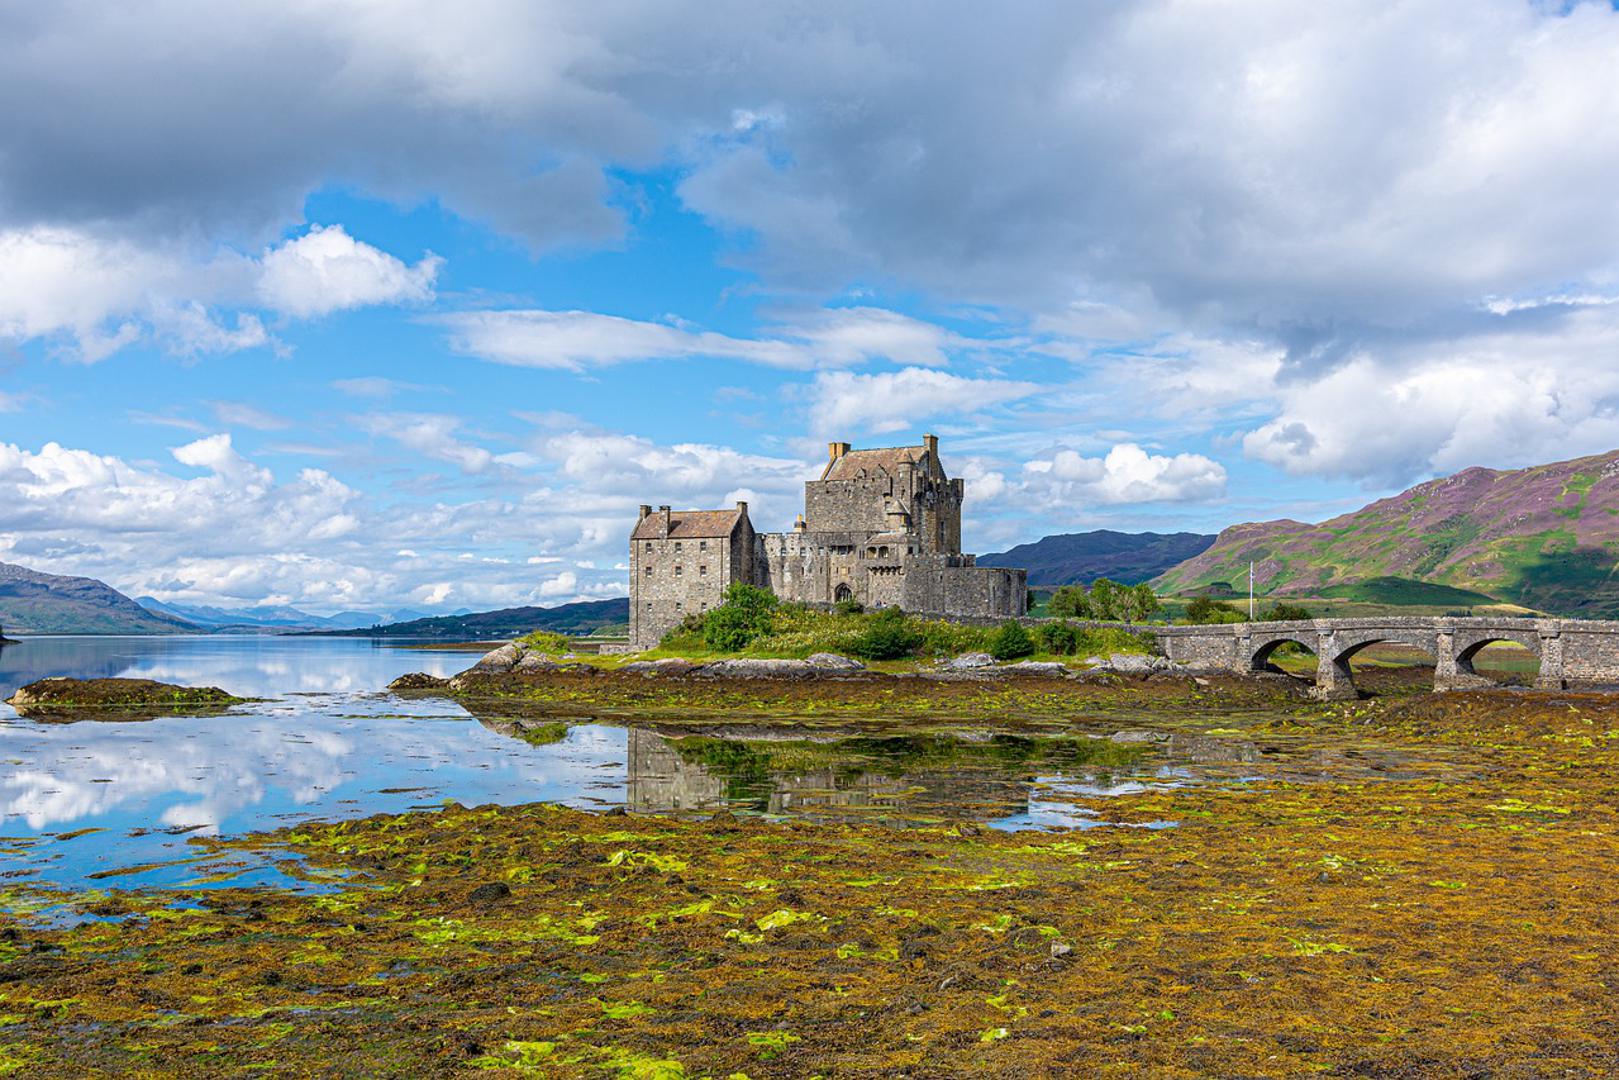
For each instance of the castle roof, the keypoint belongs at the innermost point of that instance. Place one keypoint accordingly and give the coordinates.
(888, 459)
(685, 524)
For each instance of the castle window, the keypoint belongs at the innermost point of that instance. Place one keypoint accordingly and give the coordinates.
(702, 545)
(677, 569)
(702, 571)
(677, 605)
(677, 545)
(648, 569)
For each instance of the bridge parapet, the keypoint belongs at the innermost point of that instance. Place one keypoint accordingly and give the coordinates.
(1568, 650)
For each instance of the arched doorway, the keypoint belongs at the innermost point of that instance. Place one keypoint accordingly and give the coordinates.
(842, 593)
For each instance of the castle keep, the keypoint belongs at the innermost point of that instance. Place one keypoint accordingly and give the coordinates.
(882, 527)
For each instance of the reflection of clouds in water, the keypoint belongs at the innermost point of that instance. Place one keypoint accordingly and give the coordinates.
(251, 666)
(318, 753)
(223, 766)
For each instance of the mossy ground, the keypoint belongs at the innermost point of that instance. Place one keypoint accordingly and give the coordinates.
(1454, 927)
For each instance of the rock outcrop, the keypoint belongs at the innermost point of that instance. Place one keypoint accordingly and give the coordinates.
(61, 698)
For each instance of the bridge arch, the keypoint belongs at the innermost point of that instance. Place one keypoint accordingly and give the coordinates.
(1260, 658)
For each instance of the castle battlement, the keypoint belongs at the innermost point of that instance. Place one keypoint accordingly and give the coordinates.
(881, 527)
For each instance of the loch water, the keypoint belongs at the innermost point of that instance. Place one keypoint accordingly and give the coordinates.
(104, 804)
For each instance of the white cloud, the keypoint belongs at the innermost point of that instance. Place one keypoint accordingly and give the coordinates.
(576, 340)
(432, 435)
(1127, 474)
(1505, 396)
(241, 414)
(372, 386)
(564, 584)
(98, 293)
(327, 270)
(847, 402)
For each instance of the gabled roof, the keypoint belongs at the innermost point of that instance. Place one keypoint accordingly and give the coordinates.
(888, 459)
(688, 524)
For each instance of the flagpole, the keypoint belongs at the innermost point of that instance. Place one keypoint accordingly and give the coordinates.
(1250, 591)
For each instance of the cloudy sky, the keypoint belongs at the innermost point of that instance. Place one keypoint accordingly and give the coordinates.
(365, 305)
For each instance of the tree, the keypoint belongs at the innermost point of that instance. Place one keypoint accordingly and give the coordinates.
(1285, 612)
(1137, 602)
(1010, 641)
(1106, 599)
(1204, 609)
(1070, 602)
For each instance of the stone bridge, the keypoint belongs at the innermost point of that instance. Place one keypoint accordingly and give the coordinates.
(1570, 651)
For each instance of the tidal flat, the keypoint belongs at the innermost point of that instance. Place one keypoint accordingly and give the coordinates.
(1411, 885)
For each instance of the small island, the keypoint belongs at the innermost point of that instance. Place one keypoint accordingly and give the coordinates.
(63, 699)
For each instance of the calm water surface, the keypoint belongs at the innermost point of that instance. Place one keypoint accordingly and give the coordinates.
(329, 742)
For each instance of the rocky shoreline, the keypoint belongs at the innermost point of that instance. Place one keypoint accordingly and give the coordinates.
(514, 660)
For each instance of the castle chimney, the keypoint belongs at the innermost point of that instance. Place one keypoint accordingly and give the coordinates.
(931, 444)
(836, 450)
(742, 508)
(645, 512)
(664, 510)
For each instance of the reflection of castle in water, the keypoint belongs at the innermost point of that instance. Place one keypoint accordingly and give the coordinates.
(661, 780)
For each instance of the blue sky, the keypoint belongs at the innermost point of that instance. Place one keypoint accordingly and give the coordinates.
(340, 308)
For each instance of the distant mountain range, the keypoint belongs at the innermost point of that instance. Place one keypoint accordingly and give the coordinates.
(1545, 537)
(1083, 557)
(36, 603)
(275, 618)
(577, 618)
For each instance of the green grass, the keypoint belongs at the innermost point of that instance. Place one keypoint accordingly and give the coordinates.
(797, 632)
(1405, 592)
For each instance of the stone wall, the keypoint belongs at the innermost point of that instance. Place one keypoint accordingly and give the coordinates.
(952, 586)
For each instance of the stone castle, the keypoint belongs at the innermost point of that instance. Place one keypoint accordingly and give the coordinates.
(881, 527)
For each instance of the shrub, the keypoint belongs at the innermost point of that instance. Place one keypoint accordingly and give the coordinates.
(1285, 612)
(888, 636)
(941, 637)
(745, 615)
(850, 606)
(1011, 641)
(1058, 638)
(545, 641)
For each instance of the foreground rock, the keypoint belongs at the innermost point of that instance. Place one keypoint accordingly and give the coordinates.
(115, 699)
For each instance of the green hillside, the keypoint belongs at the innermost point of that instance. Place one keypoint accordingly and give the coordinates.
(1545, 538)
(36, 603)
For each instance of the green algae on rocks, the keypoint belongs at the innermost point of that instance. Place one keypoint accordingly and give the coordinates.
(60, 699)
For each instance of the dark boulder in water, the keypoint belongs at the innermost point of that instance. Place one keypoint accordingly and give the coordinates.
(417, 680)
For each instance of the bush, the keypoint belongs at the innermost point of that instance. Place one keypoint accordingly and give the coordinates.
(1284, 612)
(1011, 641)
(1058, 638)
(745, 615)
(941, 637)
(888, 636)
(546, 642)
(850, 606)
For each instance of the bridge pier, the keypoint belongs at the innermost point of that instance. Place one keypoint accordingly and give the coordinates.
(1333, 679)
(1453, 670)
(1551, 676)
